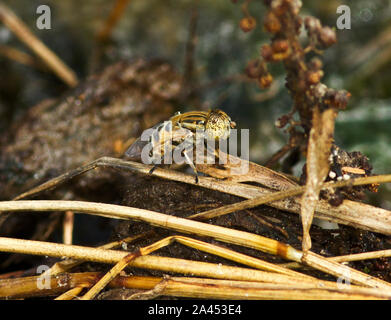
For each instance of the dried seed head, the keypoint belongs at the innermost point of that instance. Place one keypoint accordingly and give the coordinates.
(313, 77)
(265, 81)
(279, 7)
(341, 99)
(327, 37)
(295, 6)
(266, 52)
(338, 99)
(298, 24)
(280, 46)
(319, 90)
(247, 24)
(281, 50)
(282, 121)
(255, 68)
(315, 64)
(312, 25)
(272, 24)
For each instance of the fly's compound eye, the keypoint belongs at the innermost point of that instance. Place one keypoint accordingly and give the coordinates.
(218, 125)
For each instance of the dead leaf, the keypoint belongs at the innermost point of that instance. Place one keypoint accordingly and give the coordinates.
(318, 152)
(241, 170)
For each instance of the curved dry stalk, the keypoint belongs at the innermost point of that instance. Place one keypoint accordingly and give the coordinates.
(20, 57)
(165, 221)
(223, 289)
(109, 276)
(71, 293)
(29, 286)
(114, 17)
(247, 204)
(231, 255)
(165, 264)
(280, 195)
(188, 226)
(68, 264)
(350, 213)
(348, 258)
(363, 256)
(189, 288)
(196, 244)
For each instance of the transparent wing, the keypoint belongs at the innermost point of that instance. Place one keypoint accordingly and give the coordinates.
(134, 151)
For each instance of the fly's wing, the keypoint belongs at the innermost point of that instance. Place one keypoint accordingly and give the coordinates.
(161, 139)
(134, 151)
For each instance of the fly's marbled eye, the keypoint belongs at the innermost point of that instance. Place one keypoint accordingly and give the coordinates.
(218, 125)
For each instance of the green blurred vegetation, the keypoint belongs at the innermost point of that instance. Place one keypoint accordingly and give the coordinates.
(360, 62)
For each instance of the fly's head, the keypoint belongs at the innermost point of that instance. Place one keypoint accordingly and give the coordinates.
(218, 125)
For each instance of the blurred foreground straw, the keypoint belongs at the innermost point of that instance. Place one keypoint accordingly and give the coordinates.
(25, 35)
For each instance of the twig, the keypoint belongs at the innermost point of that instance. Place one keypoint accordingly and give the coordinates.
(246, 204)
(363, 256)
(71, 293)
(109, 276)
(20, 57)
(268, 224)
(188, 74)
(26, 36)
(349, 258)
(68, 264)
(114, 17)
(370, 68)
(358, 57)
(68, 227)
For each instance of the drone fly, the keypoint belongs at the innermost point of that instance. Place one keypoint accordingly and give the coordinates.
(177, 138)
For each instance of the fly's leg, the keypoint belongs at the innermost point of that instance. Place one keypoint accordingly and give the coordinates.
(153, 169)
(156, 165)
(210, 151)
(191, 164)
